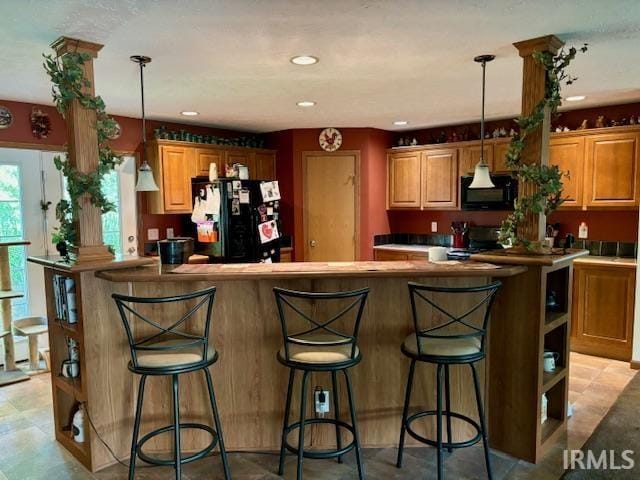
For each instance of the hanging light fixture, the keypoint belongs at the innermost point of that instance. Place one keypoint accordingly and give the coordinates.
(481, 177)
(146, 183)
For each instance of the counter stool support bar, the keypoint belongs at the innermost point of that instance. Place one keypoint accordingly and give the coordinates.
(434, 345)
(170, 351)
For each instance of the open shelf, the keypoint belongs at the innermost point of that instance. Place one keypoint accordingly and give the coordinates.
(549, 427)
(549, 379)
(72, 386)
(70, 329)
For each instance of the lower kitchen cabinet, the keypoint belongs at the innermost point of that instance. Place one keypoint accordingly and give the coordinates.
(391, 255)
(603, 302)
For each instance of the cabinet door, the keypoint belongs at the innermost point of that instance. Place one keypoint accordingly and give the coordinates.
(602, 320)
(568, 155)
(177, 167)
(404, 180)
(384, 255)
(264, 165)
(440, 178)
(470, 156)
(205, 157)
(611, 174)
(500, 149)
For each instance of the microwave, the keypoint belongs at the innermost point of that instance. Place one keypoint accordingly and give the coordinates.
(500, 197)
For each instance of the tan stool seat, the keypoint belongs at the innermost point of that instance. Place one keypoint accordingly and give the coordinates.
(442, 347)
(172, 358)
(318, 353)
(30, 326)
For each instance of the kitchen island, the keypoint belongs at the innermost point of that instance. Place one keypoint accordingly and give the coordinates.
(250, 383)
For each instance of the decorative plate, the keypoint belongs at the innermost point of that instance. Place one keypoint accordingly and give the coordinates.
(330, 139)
(6, 117)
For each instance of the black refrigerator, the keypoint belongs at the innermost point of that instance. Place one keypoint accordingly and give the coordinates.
(247, 228)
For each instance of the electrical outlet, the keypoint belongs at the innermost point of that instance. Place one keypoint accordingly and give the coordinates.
(153, 234)
(434, 226)
(321, 398)
(170, 232)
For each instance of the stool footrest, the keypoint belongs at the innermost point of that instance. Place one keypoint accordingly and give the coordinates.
(171, 462)
(428, 441)
(322, 454)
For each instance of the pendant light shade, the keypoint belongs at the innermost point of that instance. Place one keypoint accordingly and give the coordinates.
(481, 176)
(146, 182)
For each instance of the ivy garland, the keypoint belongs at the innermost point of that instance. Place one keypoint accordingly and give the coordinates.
(69, 84)
(548, 178)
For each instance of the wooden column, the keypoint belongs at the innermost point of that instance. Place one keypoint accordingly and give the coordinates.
(536, 148)
(83, 154)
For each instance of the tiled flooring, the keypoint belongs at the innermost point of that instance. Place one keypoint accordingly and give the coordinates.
(29, 452)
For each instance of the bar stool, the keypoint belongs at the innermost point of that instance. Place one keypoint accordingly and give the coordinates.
(311, 344)
(171, 350)
(454, 340)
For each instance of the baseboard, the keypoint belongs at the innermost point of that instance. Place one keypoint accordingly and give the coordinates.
(635, 364)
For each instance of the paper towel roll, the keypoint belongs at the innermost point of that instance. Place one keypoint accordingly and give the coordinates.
(437, 254)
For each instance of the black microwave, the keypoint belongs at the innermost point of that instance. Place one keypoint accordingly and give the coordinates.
(500, 197)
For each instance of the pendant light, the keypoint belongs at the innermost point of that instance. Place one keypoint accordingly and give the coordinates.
(146, 183)
(481, 177)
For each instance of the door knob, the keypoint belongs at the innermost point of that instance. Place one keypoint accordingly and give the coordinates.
(131, 238)
(313, 243)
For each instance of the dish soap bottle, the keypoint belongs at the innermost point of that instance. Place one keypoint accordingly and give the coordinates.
(78, 425)
(583, 231)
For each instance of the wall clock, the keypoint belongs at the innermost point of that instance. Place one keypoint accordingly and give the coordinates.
(6, 117)
(330, 139)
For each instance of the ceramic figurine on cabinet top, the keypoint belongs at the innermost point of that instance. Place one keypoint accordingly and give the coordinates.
(632, 120)
(600, 121)
(584, 125)
(613, 123)
(414, 141)
(502, 132)
(512, 132)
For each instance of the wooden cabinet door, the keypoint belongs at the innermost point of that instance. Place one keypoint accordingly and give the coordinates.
(470, 156)
(403, 180)
(440, 178)
(177, 168)
(205, 157)
(568, 155)
(602, 320)
(611, 173)
(384, 255)
(264, 165)
(500, 149)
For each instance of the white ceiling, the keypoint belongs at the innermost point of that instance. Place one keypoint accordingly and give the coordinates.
(380, 61)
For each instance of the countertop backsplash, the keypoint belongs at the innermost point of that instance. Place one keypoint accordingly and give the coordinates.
(608, 249)
(437, 239)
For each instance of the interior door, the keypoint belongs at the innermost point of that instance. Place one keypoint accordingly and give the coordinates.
(330, 182)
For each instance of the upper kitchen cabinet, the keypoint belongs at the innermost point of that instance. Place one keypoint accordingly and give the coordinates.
(440, 178)
(611, 170)
(264, 166)
(243, 156)
(500, 149)
(403, 180)
(173, 167)
(568, 154)
(470, 156)
(204, 157)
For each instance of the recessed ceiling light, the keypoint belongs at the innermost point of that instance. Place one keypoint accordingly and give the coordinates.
(306, 103)
(575, 98)
(304, 60)
(189, 113)
(400, 122)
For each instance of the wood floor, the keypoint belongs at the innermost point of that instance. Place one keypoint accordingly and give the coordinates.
(29, 452)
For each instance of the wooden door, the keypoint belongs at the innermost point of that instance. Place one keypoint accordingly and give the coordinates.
(568, 155)
(330, 206)
(603, 301)
(205, 157)
(611, 174)
(403, 180)
(265, 166)
(177, 168)
(440, 178)
(470, 156)
(500, 149)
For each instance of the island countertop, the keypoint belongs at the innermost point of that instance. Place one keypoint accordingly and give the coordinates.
(257, 271)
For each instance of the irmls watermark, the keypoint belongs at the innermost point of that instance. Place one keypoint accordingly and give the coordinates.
(602, 460)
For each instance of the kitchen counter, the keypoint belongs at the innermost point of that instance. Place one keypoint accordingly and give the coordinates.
(397, 247)
(608, 261)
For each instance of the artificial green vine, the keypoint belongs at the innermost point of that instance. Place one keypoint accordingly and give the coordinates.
(69, 84)
(547, 178)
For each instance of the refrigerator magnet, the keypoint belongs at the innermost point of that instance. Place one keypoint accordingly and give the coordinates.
(235, 206)
(269, 210)
(268, 231)
(270, 191)
(244, 196)
(236, 185)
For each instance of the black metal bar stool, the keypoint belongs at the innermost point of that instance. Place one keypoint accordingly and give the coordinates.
(319, 345)
(455, 340)
(172, 350)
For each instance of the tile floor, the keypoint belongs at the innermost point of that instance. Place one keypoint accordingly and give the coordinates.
(28, 450)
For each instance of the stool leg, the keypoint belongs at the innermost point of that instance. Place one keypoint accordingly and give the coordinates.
(287, 411)
(483, 427)
(303, 406)
(336, 407)
(439, 423)
(216, 419)
(136, 428)
(405, 412)
(447, 393)
(356, 437)
(34, 361)
(176, 425)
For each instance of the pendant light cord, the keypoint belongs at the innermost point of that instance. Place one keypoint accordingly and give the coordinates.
(144, 127)
(484, 70)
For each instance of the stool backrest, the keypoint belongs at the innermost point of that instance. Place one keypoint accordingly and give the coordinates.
(156, 332)
(334, 314)
(452, 325)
